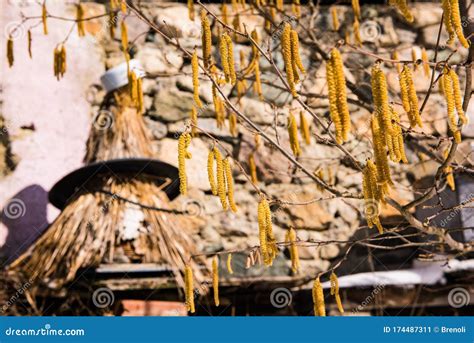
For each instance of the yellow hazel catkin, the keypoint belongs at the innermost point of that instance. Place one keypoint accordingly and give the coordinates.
(183, 144)
(221, 186)
(195, 70)
(457, 96)
(305, 129)
(335, 291)
(230, 59)
(189, 288)
(229, 263)
(402, 6)
(333, 100)
(80, 20)
(191, 10)
(253, 169)
(287, 58)
(124, 35)
(340, 79)
(457, 22)
(426, 60)
(447, 20)
(318, 298)
(210, 171)
(194, 118)
(291, 239)
(293, 133)
(448, 171)
(356, 8)
(44, 16)
(215, 280)
(30, 40)
(10, 55)
(229, 184)
(206, 39)
(335, 20)
(447, 86)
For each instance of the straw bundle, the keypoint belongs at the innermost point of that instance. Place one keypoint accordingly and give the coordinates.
(118, 130)
(100, 227)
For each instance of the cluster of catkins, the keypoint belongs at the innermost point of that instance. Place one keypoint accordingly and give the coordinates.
(450, 88)
(291, 57)
(305, 132)
(224, 187)
(268, 247)
(452, 22)
(318, 295)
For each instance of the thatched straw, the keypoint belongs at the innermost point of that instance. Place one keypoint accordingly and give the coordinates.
(118, 131)
(98, 226)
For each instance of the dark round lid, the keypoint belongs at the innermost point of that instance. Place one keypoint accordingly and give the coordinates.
(67, 187)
